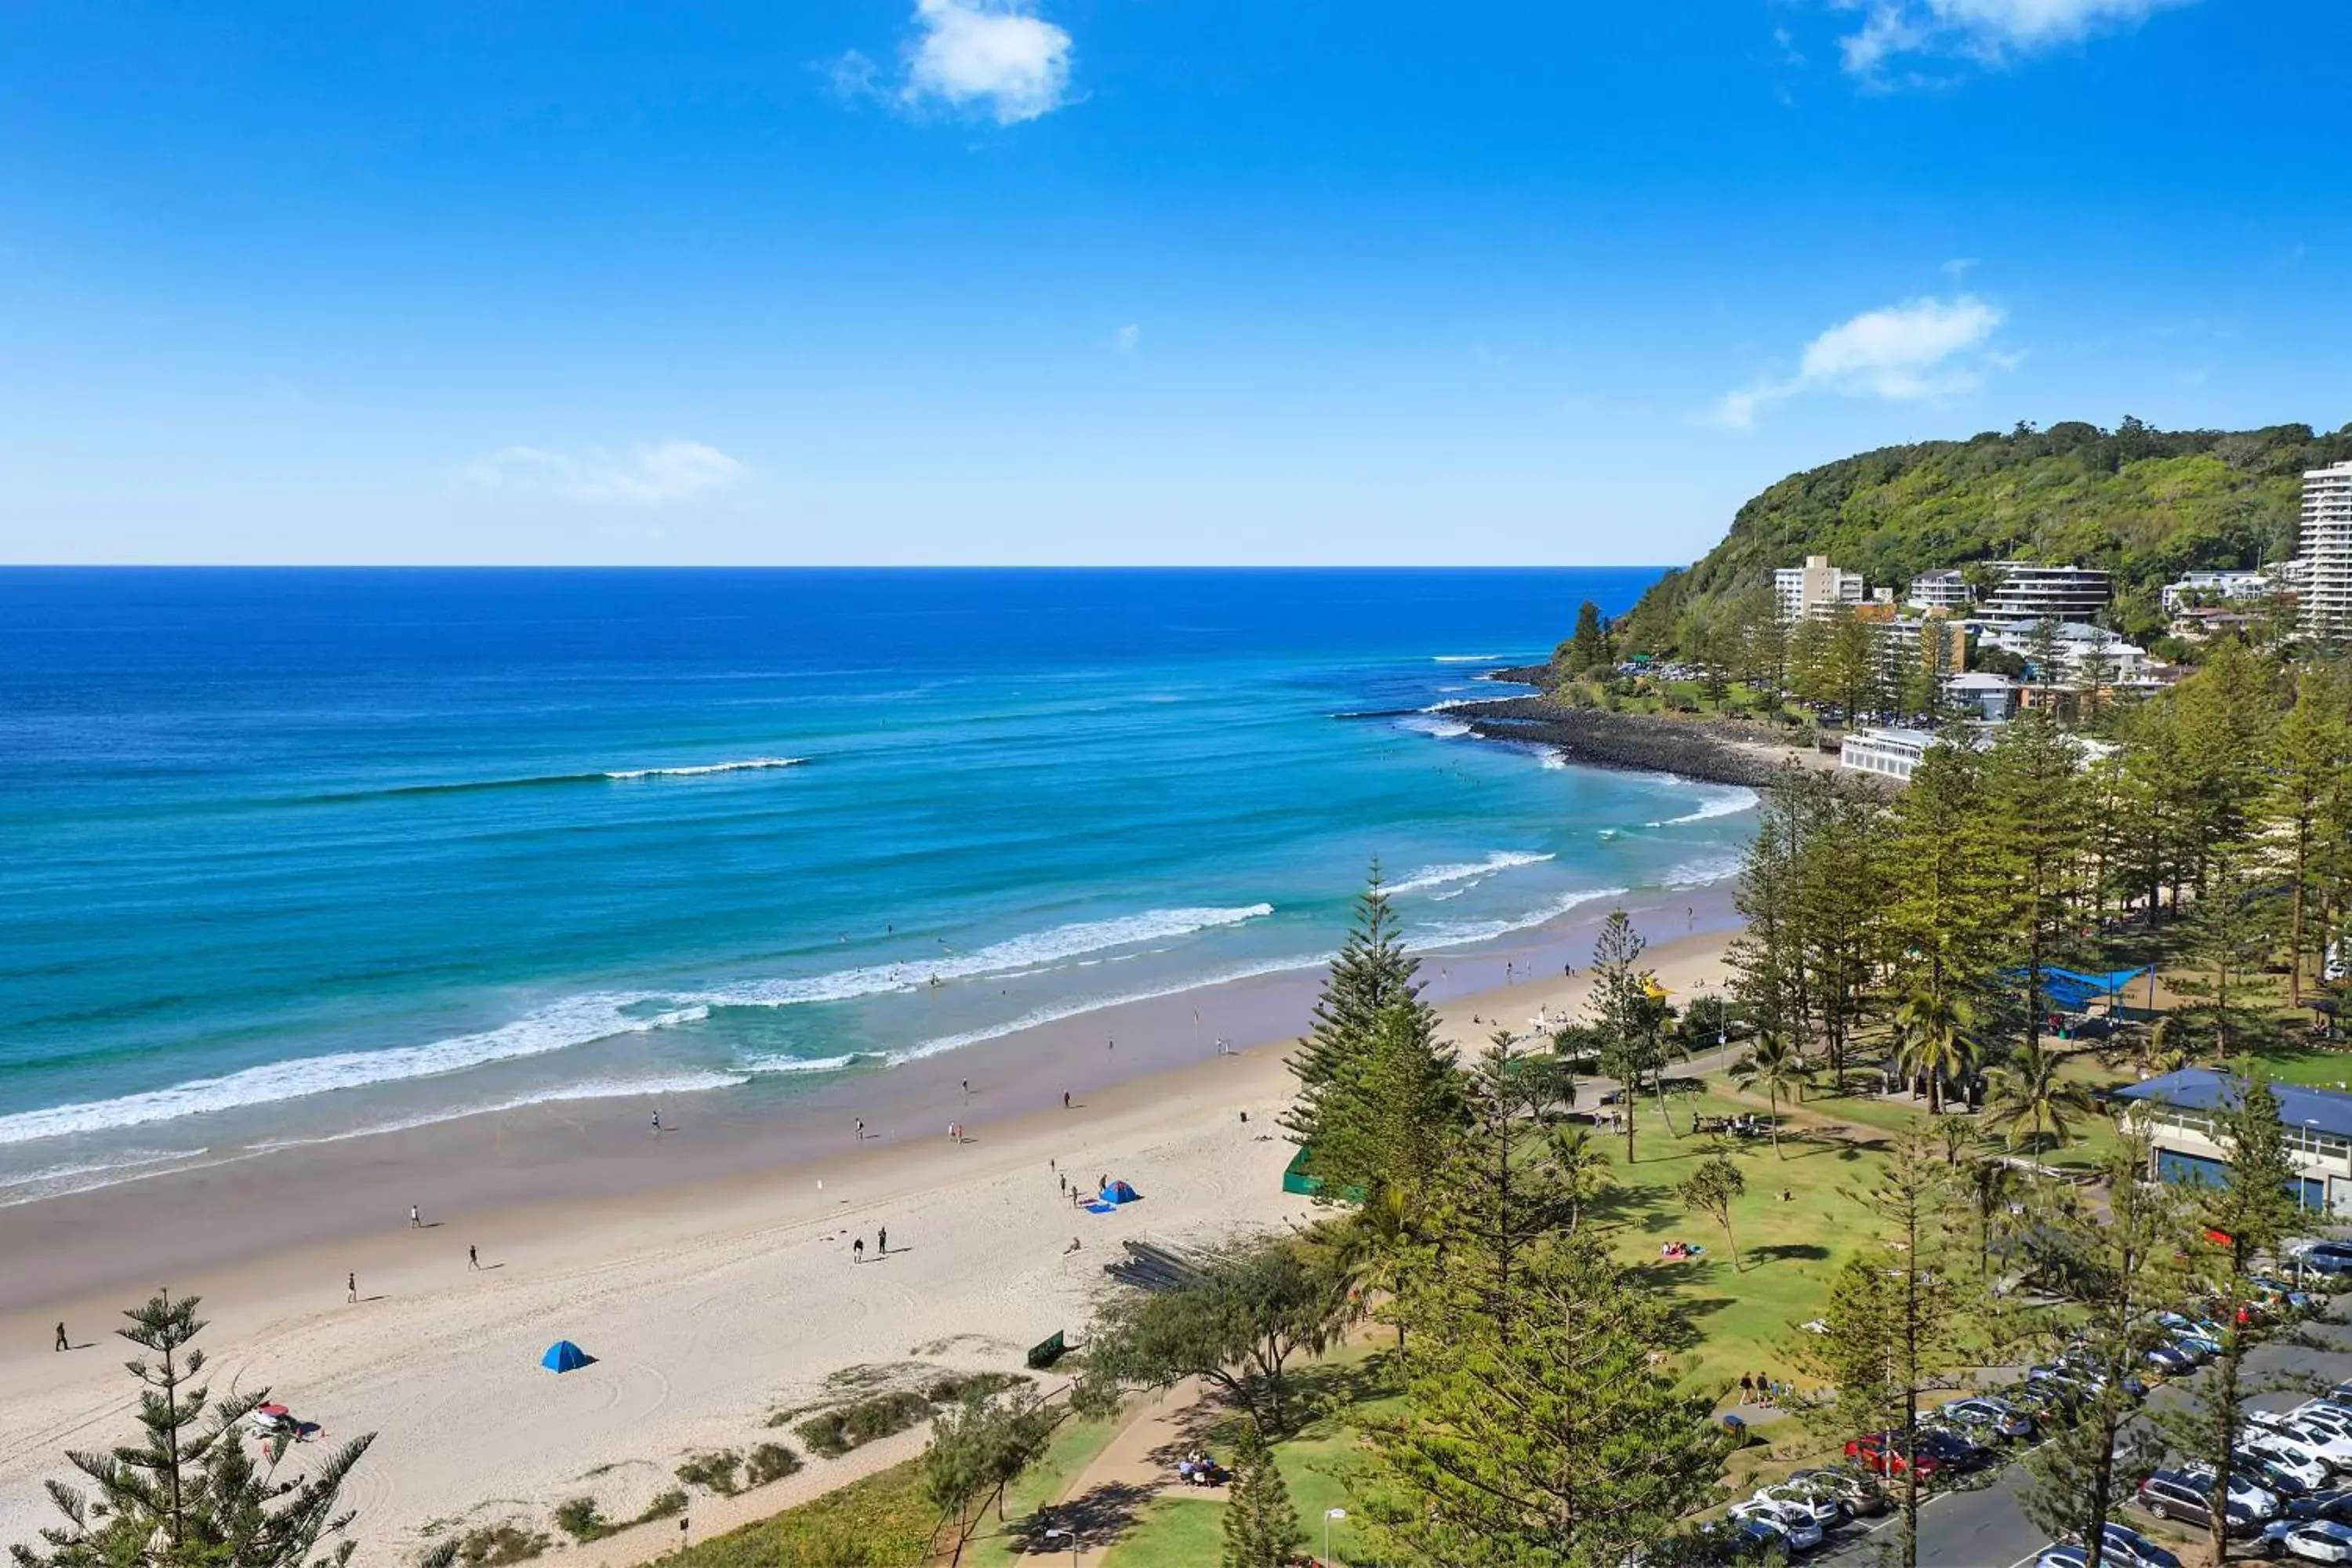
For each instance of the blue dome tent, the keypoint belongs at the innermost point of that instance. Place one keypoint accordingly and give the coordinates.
(565, 1356)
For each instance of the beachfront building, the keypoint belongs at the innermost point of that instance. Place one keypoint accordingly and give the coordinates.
(1816, 588)
(2030, 592)
(1941, 591)
(1890, 754)
(2211, 588)
(2179, 1112)
(1979, 694)
(2327, 556)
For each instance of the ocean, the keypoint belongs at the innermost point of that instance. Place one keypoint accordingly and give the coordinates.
(291, 855)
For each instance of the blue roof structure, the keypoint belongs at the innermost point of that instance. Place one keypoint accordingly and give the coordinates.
(2203, 1088)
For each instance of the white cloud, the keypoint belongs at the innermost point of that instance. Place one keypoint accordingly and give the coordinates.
(996, 57)
(1921, 349)
(1126, 338)
(1991, 31)
(652, 475)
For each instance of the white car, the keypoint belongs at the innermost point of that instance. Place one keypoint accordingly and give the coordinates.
(2320, 1540)
(2329, 1444)
(1795, 1522)
(1827, 1508)
(2293, 1457)
(2328, 1414)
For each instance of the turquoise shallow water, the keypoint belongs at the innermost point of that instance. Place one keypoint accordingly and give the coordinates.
(294, 855)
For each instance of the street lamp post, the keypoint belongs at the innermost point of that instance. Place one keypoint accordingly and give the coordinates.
(1328, 1515)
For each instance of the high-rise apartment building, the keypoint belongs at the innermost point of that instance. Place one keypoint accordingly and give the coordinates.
(1816, 588)
(2326, 554)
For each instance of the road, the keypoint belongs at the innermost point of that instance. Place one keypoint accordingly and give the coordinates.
(1987, 1526)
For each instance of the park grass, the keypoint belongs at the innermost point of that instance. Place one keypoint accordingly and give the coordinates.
(881, 1521)
(1074, 1446)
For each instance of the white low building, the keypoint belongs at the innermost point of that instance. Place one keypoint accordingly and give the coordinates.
(1890, 754)
(2194, 586)
(2079, 646)
(1941, 591)
(1983, 695)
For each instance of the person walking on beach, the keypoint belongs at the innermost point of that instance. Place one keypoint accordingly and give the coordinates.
(857, 1250)
(882, 1242)
(415, 1220)
(1066, 1100)
(657, 1121)
(63, 1343)
(1064, 1180)
(861, 1129)
(473, 1257)
(351, 1287)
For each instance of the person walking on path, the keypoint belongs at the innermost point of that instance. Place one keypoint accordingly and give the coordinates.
(63, 1343)
(1066, 1100)
(857, 1250)
(882, 1242)
(415, 1220)
(1747, 1389)
(473, 1256)
(351, 1287)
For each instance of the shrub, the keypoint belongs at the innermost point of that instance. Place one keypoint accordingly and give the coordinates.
(713, 1471)
(956, 1387)
(493, 1545)
(770, 1462)
(581, 1520)
(828, 1433)
(885, 1415)
(670, 1505)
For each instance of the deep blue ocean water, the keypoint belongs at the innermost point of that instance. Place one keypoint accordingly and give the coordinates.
(287, 855)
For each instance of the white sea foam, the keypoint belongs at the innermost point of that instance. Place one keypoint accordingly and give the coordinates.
(1701, 873)
(1433, 726)
(593, 1088)
(1044, 1016)
(53, 1175)
(1038, 950)
(806, 1064)
(1469, 658)
(1728, 801)
(1461, 933)
(747, 765)
(1438, 876)
(575, 1021)
(581, 1020)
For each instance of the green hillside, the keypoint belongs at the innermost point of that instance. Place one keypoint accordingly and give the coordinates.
(2145, 504)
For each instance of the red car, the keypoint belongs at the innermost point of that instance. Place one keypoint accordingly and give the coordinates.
(1881, 1452)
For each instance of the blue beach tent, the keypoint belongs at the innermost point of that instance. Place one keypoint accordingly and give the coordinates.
(1119, 1192)
(565, 1356)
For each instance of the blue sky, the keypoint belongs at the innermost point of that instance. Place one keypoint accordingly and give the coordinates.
(1120, 280)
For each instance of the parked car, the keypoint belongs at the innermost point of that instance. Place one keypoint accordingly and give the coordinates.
(2263, 1470)
(1858, 1486)
(2289, 1456)
(2329, 1441)
(2127, 1548)
(1828, 1508)
(2169, 1494)
(1953, 1451)
(2248, 1489)
(1988, 1413)
(1795, 1520)
(1881, 1453)
(1744, 1541)
(2172, 1359)
(2333, 1504)
(2330, 1259)
(2313, 1540)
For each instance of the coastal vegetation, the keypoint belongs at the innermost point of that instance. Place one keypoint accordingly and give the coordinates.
(2142, 503)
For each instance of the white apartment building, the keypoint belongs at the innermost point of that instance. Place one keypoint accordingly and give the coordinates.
(2217, 585)
(2326, 555)
(1816, 588)
(1941, 591)
(2078, 644)
(2031, 593)
(1984, 696)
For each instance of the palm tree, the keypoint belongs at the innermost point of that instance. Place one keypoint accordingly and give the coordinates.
(1581, 1166)
(1778, 1067)
(2032, 1098)
(1371, 1250)
(1934, 1033)
(1994, 1182)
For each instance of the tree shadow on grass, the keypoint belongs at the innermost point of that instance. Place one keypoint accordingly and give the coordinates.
(1097, 1518)
(1780, 1250)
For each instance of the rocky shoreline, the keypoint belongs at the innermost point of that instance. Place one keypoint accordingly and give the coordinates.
(1708, 750)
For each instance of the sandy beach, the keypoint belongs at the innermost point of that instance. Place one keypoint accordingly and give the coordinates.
(709, 1270)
